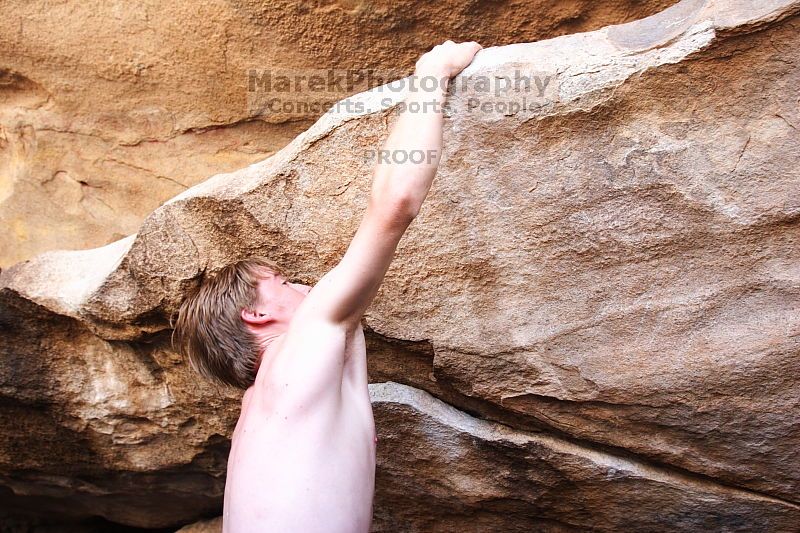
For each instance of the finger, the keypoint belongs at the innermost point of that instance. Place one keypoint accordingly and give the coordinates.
(469, 45)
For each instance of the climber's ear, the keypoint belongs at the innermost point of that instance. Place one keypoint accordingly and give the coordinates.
(255, 317)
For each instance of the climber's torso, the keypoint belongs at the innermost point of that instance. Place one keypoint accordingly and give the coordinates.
(303, 452)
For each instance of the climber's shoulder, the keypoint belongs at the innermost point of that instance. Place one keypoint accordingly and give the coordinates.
(304, 365)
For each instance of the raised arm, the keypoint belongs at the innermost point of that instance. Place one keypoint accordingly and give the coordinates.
(399, 187)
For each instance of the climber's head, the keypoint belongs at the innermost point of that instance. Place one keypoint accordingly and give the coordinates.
(274, 307)
(224, 325)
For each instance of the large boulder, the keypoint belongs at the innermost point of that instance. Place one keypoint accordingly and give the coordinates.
(603, 287)
(107, 110)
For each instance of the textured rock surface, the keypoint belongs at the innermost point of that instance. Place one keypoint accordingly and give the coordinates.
(107, 110)
(442, 470)
(205, 526)
(609, 281)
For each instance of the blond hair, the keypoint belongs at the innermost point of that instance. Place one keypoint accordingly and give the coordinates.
(209, 328)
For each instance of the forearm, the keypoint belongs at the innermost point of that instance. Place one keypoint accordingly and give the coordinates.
(409, 158)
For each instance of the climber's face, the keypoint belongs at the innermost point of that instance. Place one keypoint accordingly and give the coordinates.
(278, 299)
(276, 303)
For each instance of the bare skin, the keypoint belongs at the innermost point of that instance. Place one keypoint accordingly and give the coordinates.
(303, 452)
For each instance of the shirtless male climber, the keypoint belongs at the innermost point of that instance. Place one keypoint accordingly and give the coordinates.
(302, 458)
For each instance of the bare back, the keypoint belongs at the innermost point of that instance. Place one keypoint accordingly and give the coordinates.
(303, 454)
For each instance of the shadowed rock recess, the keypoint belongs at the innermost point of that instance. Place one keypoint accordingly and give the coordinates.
(593, 324)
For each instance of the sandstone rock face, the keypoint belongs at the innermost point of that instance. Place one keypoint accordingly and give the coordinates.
(205, 526)
(594, 322)
(442, 470)
(106, 110)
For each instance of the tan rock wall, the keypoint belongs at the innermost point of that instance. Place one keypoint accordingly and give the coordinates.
(107, 109)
